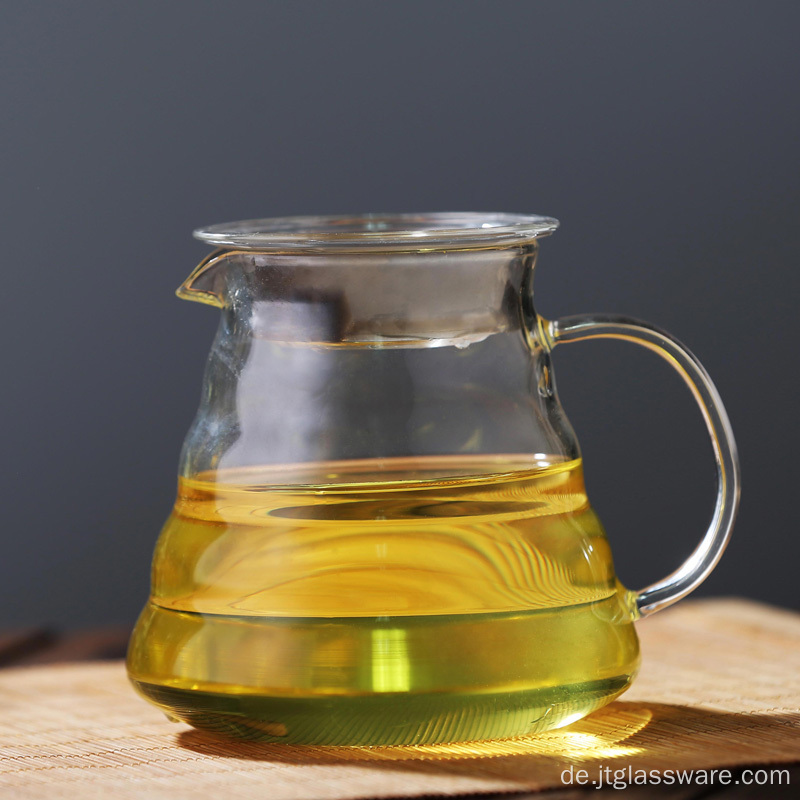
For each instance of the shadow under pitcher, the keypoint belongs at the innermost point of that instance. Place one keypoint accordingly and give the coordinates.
(382, 534)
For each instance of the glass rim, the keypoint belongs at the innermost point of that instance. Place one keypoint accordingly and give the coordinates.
(358, 232)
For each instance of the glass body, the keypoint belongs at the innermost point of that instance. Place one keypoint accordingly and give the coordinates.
(382, 534)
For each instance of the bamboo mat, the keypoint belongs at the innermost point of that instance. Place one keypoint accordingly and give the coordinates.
(719, 687)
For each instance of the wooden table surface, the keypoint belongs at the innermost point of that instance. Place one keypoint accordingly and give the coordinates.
(719, 688)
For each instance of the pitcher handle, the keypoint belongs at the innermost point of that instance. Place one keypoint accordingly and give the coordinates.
(706, 555)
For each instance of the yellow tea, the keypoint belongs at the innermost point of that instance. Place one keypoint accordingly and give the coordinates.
(384, 602)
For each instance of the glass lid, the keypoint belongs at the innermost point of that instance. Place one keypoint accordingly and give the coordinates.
(439, 230)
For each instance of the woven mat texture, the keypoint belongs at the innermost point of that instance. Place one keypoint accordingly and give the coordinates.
(719, 687)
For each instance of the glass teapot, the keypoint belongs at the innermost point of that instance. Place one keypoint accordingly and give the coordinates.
(381, 534)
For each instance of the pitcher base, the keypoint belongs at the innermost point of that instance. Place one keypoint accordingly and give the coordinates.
(385, 719)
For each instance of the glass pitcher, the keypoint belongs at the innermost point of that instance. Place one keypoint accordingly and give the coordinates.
(381, 534)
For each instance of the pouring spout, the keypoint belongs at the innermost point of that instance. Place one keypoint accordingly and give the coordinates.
(206, 283)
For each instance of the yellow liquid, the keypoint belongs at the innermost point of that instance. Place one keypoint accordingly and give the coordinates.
(384, 602)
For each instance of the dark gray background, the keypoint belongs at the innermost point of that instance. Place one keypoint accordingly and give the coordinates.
(664, 136)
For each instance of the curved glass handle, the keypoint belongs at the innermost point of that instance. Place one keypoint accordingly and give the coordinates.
(706, 555)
